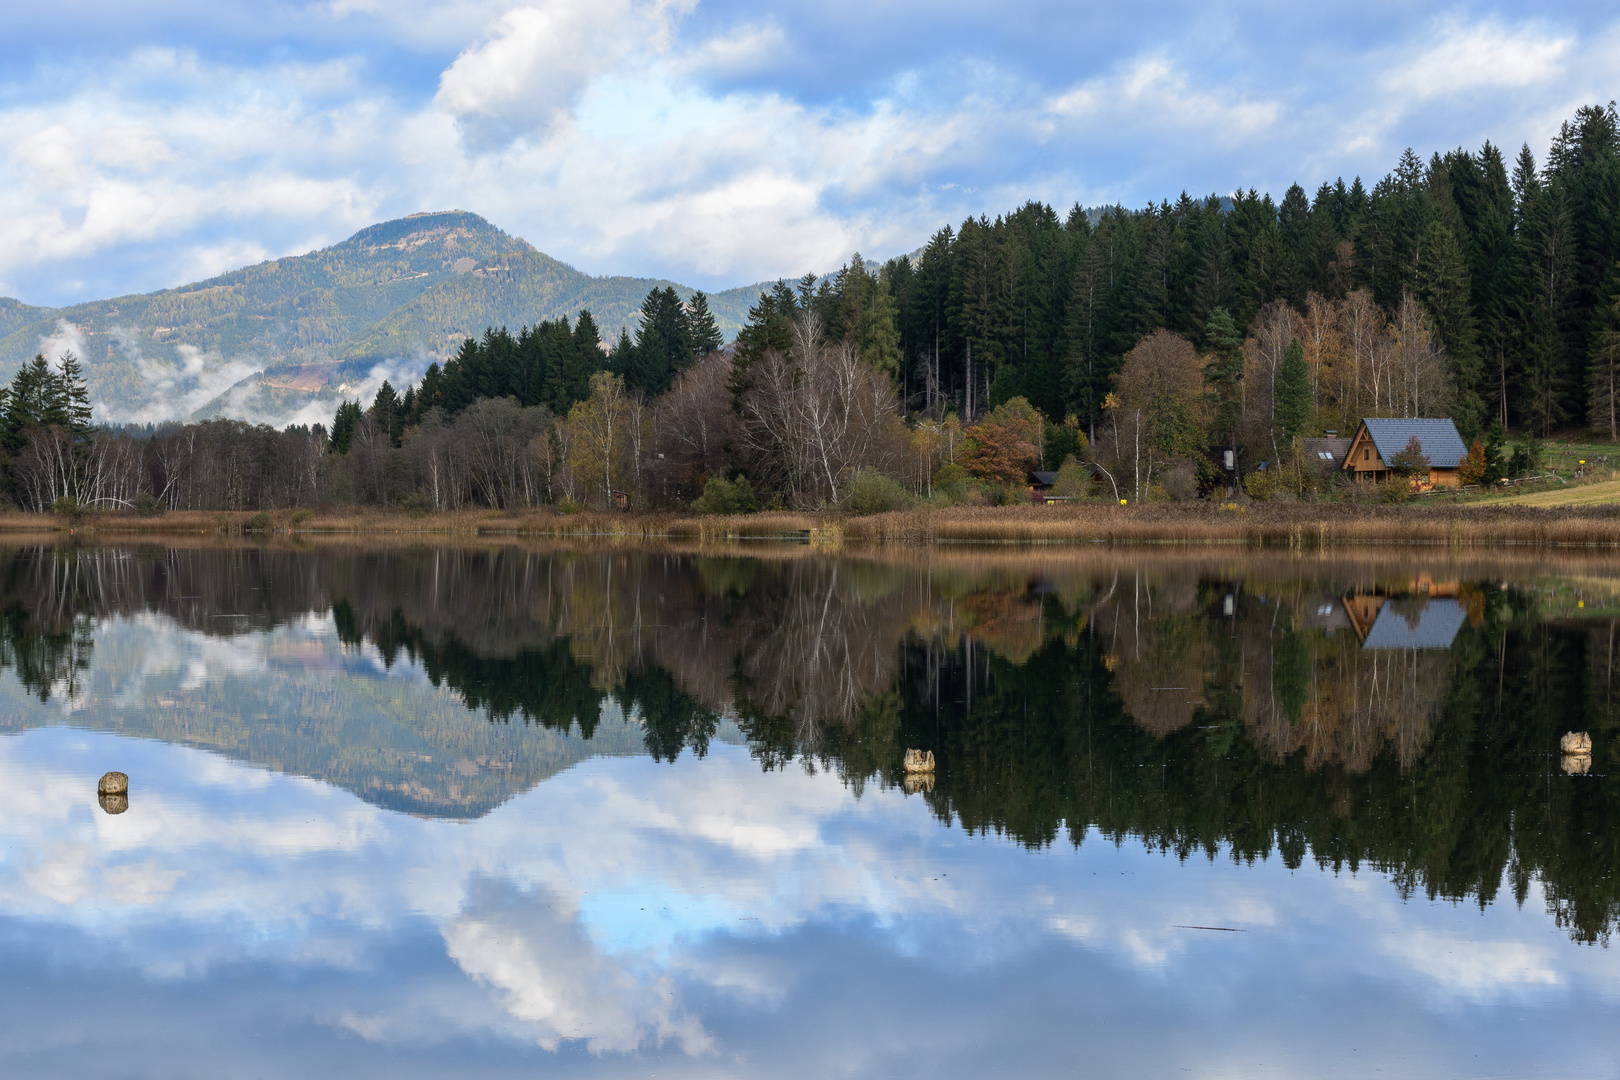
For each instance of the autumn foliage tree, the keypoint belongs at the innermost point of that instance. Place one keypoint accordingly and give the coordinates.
(1004, 446)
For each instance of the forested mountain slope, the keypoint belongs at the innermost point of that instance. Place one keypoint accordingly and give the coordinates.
(264, 339)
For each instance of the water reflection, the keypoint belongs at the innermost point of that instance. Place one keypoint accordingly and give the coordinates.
(629, 782)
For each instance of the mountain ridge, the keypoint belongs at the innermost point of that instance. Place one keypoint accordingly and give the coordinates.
(284, 339)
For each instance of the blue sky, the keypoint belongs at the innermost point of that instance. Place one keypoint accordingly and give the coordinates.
(143, 145)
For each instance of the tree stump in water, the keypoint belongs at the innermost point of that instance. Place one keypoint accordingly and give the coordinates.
(112, 792)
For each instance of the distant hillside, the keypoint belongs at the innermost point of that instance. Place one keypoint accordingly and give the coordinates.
(292, 334)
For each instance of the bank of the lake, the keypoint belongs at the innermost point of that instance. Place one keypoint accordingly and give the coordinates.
(1274, 523)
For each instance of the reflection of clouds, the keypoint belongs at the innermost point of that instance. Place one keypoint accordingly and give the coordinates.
(605, 905)
(1465, 967)
(531, 948)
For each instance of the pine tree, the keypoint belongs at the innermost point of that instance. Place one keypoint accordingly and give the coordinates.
(343, 425)
(32, 402)
(704, 332)
(866, 315)
(72, 396)
(1443, 288)
(388, 412)
(1293, 393)
(1223, 376)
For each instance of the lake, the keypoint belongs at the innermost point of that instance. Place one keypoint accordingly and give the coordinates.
(486, 811)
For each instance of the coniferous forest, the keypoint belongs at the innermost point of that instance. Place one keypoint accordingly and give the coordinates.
(1480, 285)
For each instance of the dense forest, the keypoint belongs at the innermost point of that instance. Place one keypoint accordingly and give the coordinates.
(1130, 341)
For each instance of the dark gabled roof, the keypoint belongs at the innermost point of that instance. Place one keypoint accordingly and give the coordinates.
(1334, 449)
(1043, 479)
(1441, 444)
(1434, 626)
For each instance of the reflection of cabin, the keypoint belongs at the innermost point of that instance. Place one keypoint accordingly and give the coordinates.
(1362, 611)
(1377, 441)
(1385, 623)
(1327, 614)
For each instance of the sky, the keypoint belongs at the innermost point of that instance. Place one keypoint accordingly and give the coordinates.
(145, 145)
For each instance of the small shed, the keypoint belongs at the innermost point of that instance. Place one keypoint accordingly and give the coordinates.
(1378, 440)
(1327, 453)
(1040, 485)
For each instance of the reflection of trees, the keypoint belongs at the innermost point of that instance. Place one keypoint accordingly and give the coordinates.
(1197, 705)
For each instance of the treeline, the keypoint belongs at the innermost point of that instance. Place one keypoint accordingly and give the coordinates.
(1134, 341)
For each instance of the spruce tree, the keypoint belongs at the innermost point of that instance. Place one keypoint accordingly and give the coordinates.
(1293, 393)
(389, 412)
(1443, 288)
(703, 331)
(72, 398)
(1223, 376)
(343, 425)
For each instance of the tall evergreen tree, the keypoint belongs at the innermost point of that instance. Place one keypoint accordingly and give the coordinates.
(705, 332)
(1223, 377)
(1443, 288)
(1293, 394)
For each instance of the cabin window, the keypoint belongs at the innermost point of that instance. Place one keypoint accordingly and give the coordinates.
(1366, 454)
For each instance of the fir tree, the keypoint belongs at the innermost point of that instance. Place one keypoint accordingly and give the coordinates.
(1293, 393)
(705, 333)
(1223, 376)
(1442, 281)
(388, 412)
(343, 425)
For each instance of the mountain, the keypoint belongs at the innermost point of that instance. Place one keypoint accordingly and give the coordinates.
(286, 339)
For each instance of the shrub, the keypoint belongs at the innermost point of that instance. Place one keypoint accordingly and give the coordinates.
(1259, 484)
(1527, 454)
(1397, 489)
(259, 522)
(1073, 480)
(148, 505)
(569, 506)
(67, 506)
(871, 492)
(722, 496)
(1180, 481)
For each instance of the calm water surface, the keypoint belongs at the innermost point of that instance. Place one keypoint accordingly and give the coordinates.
(510, 812)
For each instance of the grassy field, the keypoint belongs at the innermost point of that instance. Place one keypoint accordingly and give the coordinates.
(1607, 491)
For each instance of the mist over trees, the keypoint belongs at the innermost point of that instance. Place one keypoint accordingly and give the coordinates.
(1137, 342)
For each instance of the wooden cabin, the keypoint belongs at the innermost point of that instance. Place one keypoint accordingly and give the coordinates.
(1377, 441)
(1040, 486)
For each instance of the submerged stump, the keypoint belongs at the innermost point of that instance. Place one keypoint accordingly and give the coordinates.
(112, 792)
(919, 761)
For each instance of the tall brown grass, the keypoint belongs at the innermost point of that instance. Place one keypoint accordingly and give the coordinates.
(1290, 525)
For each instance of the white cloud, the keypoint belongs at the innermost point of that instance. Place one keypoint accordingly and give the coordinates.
(1469, 57)
(526, 77)
(68, 338)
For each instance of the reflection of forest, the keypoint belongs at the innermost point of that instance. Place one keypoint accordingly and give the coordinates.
(1194, 702)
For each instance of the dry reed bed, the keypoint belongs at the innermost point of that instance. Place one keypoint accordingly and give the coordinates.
(1297, 525)
(1292, 525)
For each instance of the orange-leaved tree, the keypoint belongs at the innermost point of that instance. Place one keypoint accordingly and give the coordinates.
(1471, 470)
(1006, 443)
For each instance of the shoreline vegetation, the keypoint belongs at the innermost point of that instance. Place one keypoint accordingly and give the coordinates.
(1288, 525)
